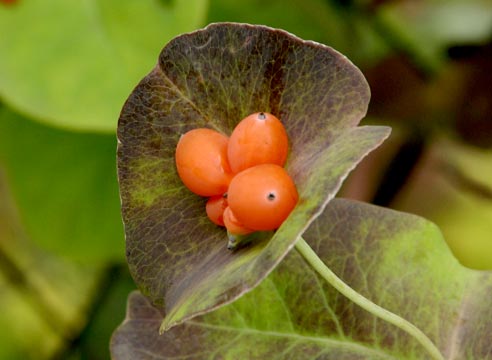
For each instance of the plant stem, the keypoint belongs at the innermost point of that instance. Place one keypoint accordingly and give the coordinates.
(312, 258)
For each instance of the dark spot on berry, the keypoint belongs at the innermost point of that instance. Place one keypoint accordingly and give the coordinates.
(261, 116)
(271, 196)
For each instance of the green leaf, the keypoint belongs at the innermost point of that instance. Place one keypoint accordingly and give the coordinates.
(452, 188)
(73, 63)
(427, 28)
(64, 187)
(397, 260)
(46, 296)
(213, 78)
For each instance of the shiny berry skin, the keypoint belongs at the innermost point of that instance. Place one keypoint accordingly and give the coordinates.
(201, 161)
(215, 209)
(259, 138)
(232, 224)
(261, 197)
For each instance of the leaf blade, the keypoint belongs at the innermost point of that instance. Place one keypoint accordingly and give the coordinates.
(211, 78)
(412, 257)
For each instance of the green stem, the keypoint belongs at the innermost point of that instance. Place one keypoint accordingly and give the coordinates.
(312, 258)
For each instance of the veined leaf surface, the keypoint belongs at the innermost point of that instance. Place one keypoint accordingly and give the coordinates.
(213, 78)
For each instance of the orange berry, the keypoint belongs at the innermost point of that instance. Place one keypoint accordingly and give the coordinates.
(262, 196)
(215, 209)
(232, 225)
(260, 138)
(201, 161)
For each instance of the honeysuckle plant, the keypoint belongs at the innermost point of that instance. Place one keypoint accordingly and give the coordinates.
(339, 279)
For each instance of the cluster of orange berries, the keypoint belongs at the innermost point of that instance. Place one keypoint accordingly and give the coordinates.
(243, 176)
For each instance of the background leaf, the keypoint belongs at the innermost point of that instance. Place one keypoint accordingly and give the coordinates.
(427, 28)
(452, 187)
(398, 260)
(64, 186)
(44, 296)
(213, 78)
(41, 72)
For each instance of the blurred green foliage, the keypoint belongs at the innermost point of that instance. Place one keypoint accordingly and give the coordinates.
(73, 63)
(65, 187)
(66, 67)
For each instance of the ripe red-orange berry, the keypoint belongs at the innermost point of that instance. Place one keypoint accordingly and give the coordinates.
(215, 209)
(201, 161)
(260, 138)
(233, 226)
(261, 197)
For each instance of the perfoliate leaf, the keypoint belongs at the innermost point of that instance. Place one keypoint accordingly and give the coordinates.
(213, 78)
(397, 260)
